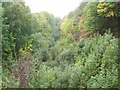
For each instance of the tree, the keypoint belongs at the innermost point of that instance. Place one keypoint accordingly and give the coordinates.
(7, 43)
(110, 13)
(18, 17)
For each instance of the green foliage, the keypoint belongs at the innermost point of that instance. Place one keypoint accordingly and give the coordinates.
(9, 80)
(47, 24)
(7, 45)
(0, 76)
(54, 55)
(14, 16)
(91, 17)
(95, 67)
(46, 36)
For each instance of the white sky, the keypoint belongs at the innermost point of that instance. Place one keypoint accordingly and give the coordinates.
(56, 7)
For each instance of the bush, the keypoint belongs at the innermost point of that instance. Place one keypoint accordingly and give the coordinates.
(88, 63)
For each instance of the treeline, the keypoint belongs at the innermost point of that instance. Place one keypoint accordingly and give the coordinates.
(20, 28)
(92, 17)
(41, 50)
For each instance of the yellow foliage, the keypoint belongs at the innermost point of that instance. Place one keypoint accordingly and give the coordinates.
(102, 5)
(64, 26)
(105, 9)
(110, 14)
(24, 52)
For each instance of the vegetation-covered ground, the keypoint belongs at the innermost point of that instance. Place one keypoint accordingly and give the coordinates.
(40, 50)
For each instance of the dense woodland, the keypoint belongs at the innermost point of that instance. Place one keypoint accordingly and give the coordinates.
(40, 50)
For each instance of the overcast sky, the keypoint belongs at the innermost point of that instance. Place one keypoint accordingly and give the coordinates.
(56, 7)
